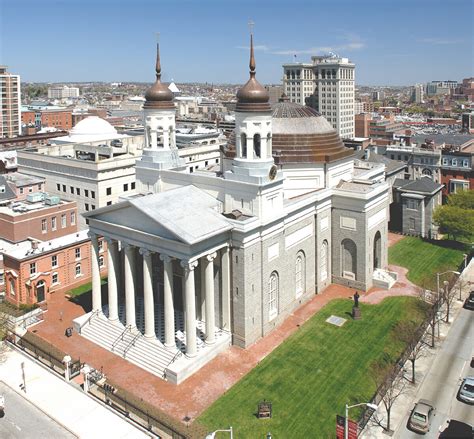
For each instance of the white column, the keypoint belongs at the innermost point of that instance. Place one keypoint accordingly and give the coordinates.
(189, 267)
(209, 286)
(202, 296)
(96, 292)
(168, 301)
(225, 288)
(149, 304)
(130, 285)
(112, 264)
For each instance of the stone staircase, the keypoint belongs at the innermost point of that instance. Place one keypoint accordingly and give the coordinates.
(384, 279)
(150, 355)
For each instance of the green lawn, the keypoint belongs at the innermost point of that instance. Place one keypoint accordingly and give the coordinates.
(85, 288)
(310, 376)
(424, 259)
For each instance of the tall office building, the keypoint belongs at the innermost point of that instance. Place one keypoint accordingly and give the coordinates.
(327, 84)
(418, 96)
(10, 115)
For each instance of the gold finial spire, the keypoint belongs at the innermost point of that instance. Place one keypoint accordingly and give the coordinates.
(252, 57)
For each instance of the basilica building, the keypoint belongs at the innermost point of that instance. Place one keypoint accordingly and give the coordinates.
(198, 261)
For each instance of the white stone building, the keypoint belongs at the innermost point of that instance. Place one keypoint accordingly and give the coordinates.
(10, 103)
(63, 92)
(206, 259)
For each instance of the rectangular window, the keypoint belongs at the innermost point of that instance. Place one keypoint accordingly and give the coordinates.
(54, 261)
(78, 191)
(132, 185)
(73, 218)
(77, 252)
(109, 191)
(63, 221)
(53, 223)
(93, 194)
(78, 270)
(44, 225)
(109, 203)
(32, 268)
(100, 245)
(86, 192)
(55, 279)
(2, 278)
(21, 190)
(64, 188)
(72, 190)
(58, 186)
(86, 206)
(125, 187)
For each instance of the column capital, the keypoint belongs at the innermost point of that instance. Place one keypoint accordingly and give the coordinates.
(145, 252)
(187, 265)
(210, 257)
(109, 240)
(165, 258)
(127, 246)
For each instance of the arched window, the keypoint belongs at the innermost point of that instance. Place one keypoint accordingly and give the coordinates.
(269, 145)
(243, 145)
(300, 273)
(377, 250)
(273, 296)
(78, 270)
(257, 145)
(324, 258)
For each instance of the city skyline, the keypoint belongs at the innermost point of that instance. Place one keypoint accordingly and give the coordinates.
(58, 41)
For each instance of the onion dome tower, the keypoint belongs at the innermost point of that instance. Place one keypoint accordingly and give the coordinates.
(159, 119)
(159, 113)
(253, 160)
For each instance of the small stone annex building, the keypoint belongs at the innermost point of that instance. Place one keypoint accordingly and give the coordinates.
(201, 260)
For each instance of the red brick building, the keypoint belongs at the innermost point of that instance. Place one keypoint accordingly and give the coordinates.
(34, 270)
(457, 170)
(56, 118)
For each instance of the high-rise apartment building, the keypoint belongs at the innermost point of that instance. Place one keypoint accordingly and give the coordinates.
(440, 87)
(10, 125)
(327, 84)
(418, 96)
(63, 92)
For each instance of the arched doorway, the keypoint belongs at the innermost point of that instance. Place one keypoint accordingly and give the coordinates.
(40, 290)
(377, 250)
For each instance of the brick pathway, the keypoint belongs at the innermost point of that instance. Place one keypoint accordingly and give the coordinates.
(195, 394)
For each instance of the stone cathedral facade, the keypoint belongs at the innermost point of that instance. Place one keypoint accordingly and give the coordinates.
(201, 260)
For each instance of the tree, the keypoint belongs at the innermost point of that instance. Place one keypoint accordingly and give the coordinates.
(448, 295)
(391, 385)
(455, 221)
(413, 337)
(462, 199)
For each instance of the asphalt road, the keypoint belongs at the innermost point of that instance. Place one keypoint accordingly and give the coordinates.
(22, 420)
(441, 385)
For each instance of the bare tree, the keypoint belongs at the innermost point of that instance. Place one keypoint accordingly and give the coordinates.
(391, 385)
(448, 296)
(413, 337)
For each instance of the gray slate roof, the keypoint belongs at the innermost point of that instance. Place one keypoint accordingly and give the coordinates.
(8, 194)
(187, 212)
(424, 185)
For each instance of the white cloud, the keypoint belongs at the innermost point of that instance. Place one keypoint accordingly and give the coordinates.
(441, 41)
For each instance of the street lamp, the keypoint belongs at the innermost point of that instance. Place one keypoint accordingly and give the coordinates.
(213, 434)
(346, 423)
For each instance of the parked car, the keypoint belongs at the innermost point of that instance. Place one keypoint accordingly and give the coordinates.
(466, 391)
(457, 430)
(469, 302)
(421, 415)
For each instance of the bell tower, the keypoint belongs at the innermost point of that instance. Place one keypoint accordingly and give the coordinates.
(253, 160)
(160, 151)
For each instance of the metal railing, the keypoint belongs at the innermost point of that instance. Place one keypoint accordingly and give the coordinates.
(93, 314)
(132, 343)
(121, 336)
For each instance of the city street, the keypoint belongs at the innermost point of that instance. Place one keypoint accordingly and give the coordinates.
(440, 386)
(23, 420)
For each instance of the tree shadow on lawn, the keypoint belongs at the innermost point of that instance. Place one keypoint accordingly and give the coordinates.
(85, 299)
(447, 243)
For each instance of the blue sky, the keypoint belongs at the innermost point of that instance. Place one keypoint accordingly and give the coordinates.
(392, 42)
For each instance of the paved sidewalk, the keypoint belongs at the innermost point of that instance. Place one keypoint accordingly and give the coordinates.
(67, 405)
(423, 367)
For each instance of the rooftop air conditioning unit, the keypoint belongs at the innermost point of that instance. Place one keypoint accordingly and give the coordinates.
(52, 200)
(35, 197)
